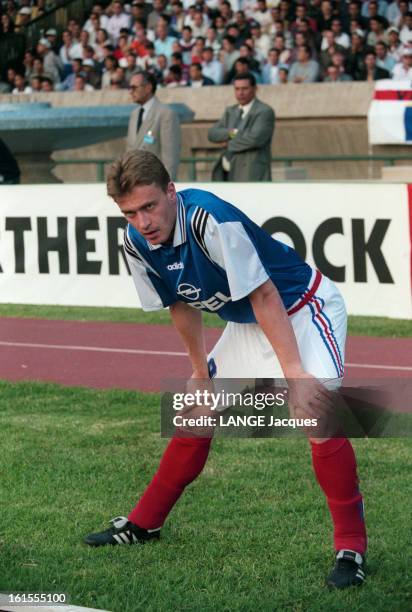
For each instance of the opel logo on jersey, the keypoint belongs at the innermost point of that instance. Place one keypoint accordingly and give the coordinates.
(177, 265)
(188, 291)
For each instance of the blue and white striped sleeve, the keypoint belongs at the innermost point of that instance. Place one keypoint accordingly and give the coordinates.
(229, 245)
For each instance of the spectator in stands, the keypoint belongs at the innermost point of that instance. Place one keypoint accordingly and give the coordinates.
(97, 9)
(177, 60)
(117, 21)
(51, 62)
(35, 83)
(280, 46)
(240, 67)
(23, 17)
(220, 27)
(153, 17)
(69, 81)
(404, 7)
(28, 60)
(196, 78)
(163, 42)
(123, 47)
(20, 85)
(226, 12)
(376, 31)
(305, 69)
(197, 50)
(38, 67)
(138, 12)
(51, 35)
(47, 84)
(261, 41)
(92, 26)
(371, 72)
(153, 126)
(148, 61)
(110, 66)
(80, 84)
(131, 67)
(65, 51)
(161, 69)
(353, 13)
(211, 67)
(354, 60)
(6, 24)
(229, 53)
(324, 21)
(383, 60)
(74, 28)
(187, 42)
(283, 74)
(245, 130)
(102, 41)
(177, 20)
(341, 38)
(261, 14)
(373, 9)
(403, 70)
(395, 47)
(90, 72)
(175, 77)
(200, 24)
(118, 81)
(11, 10)
(79, 47)
(405, 33)
(271, 69)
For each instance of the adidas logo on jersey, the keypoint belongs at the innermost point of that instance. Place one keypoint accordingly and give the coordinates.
(178, 265)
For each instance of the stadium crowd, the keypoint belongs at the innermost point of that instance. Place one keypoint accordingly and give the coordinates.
(210, 42)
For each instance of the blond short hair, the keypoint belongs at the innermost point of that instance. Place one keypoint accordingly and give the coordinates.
(135, 168)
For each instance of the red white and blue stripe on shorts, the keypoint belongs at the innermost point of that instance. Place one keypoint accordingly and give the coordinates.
(325, 329)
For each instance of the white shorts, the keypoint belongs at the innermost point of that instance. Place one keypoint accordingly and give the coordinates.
(243, 351)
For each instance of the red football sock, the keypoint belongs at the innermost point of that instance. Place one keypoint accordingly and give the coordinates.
(335, 468)
(182, 462)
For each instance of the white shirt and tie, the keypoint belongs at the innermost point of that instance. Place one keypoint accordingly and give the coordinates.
(243, 111)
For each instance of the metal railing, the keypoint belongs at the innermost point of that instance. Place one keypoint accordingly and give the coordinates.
(56, 18)
(12, 46)
(287, 161)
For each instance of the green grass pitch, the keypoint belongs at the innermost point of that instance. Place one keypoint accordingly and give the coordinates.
(252, 533)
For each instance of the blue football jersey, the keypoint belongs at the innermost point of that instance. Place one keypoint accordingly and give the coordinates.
(217, 258)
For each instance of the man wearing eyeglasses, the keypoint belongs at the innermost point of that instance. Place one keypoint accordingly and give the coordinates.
(153, 126)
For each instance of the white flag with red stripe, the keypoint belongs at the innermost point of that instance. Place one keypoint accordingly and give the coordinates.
(390, 113)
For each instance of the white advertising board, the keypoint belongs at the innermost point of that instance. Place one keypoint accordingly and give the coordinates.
(61, 244)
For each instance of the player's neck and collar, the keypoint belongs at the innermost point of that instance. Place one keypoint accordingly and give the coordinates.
(179, 232)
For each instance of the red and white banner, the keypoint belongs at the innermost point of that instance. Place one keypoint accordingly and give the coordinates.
(390, 113)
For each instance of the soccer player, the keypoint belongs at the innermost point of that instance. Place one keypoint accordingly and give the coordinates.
(191, 251)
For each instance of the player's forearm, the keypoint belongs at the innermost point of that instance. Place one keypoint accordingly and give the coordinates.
(274, 321)
(188, 322)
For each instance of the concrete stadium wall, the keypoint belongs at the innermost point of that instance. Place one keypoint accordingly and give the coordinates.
(314, 119)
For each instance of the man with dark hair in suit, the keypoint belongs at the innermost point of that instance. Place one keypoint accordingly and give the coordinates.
(247, 129)
(153, 126)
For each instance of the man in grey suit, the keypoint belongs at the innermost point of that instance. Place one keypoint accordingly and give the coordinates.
(153, 126)
(246, 129)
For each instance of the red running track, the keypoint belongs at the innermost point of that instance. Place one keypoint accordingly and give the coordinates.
(131, 356)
